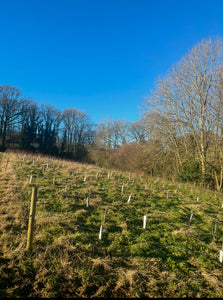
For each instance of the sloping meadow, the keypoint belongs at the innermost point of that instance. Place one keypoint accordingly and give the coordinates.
(105, 233)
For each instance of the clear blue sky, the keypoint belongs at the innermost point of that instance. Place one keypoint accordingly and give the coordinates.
(102, 57)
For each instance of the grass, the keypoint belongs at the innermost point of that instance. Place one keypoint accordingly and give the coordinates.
(167, 259)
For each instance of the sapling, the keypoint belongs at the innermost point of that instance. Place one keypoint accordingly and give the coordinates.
(100, 232)
(191, 217)
(221, 254)
(144, 221)
(213, 229)
(88, 201)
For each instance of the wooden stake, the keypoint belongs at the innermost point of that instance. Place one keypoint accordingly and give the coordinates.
(31, 219)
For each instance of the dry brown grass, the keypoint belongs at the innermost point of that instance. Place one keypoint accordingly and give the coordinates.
(11, 210)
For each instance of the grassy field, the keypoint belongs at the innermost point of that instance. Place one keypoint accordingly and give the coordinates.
(170, 257)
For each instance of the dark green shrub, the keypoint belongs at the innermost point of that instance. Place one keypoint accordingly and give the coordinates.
(189, 171)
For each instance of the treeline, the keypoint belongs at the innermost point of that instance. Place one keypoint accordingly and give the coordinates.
(69, 133)
(179, 136)
(26, 126)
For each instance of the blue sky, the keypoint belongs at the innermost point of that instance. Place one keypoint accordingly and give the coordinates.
(102, 57)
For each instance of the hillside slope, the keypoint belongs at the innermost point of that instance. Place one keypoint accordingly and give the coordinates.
(176, 254)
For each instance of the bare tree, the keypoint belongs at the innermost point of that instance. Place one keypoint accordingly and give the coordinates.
(30, 122)
(50, 119)
(186, 97)
(112, 134)
(138, 132)
(78, 130)
(10, 103)
(104, 135)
